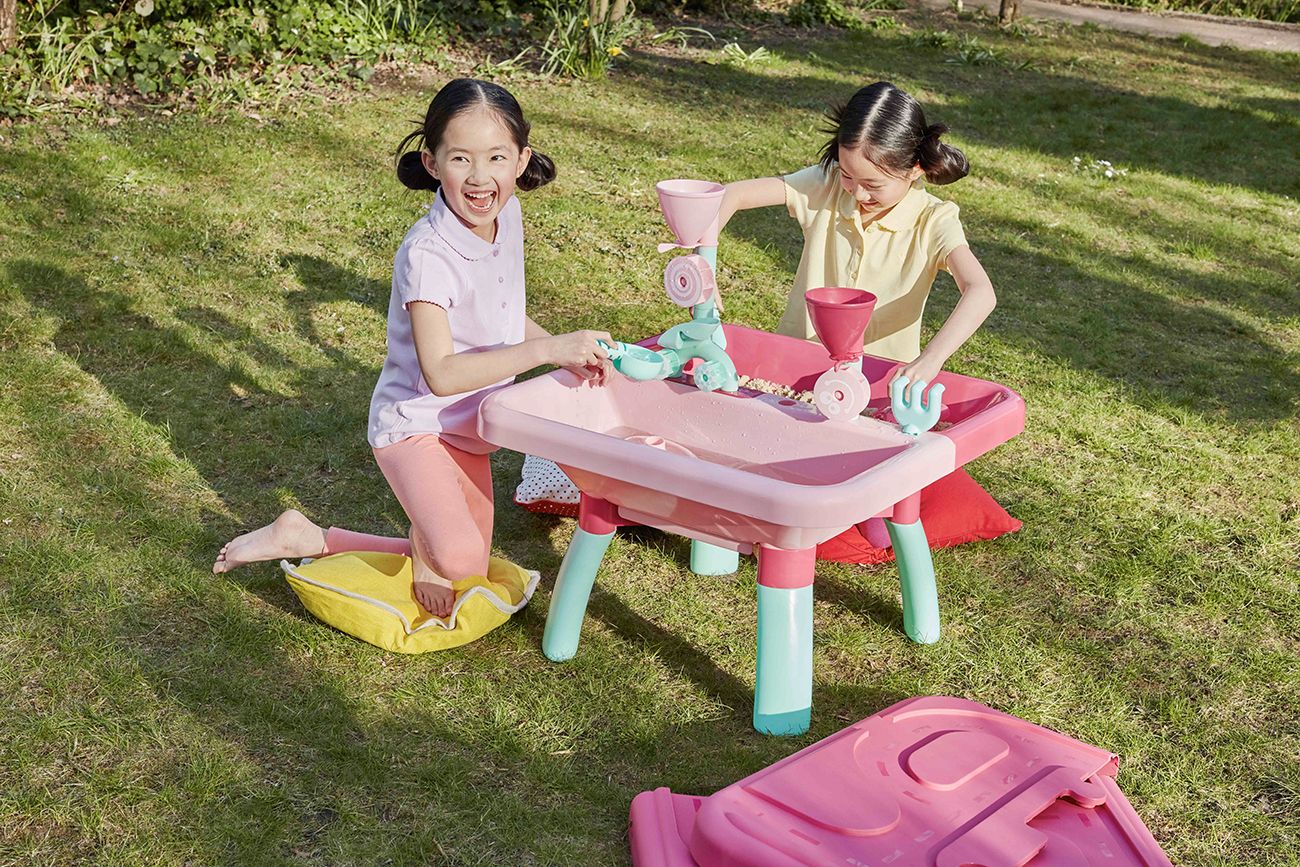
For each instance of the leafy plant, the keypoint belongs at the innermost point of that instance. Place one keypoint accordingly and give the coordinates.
(1023, 31)
(679, 35)
(931, 38)
(874, 5)
(579, 46)
(733, 53)
(971, 52)
(810, 13)
(511, 66)
(225, 55)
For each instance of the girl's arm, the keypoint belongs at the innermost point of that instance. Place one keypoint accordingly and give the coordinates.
(743, 195)
(448, 372)
(532, 330)
(976, 303)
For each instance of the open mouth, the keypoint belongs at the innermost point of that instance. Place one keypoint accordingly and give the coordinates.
(480, 202)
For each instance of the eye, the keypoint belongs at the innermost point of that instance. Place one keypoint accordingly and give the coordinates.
(498, 158)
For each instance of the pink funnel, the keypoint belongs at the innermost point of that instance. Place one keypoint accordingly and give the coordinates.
(840, 316)
(691, 209)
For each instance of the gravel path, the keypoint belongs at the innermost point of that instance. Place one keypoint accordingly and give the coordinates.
(1210, 29)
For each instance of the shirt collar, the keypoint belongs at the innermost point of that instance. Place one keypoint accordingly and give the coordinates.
(902, 216)
(459, 236)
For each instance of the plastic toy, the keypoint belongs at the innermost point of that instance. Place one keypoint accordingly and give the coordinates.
(839, 316)
(744, 472)
(922, 411)
(934, 781)
(691, 209)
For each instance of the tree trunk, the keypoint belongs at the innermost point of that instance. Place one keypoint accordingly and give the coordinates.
(618, 11)
(8, 24)
(1007, 11)
(598, 9)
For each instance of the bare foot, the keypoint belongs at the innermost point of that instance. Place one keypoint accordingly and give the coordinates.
(291, 535)
(436, 598)
(432, 591)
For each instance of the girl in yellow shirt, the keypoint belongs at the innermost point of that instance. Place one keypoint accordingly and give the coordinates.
(868, 222)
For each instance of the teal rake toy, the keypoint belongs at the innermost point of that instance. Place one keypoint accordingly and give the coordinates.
(921, 412)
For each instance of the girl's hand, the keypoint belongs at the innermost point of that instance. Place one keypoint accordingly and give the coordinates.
(921, 370)
(597, 374)
(577, 349)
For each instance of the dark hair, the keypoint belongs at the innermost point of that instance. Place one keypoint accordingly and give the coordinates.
(456, 97)
(888, 126)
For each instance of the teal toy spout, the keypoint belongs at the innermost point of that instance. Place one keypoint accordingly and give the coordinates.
(641, 364)
(702, 338)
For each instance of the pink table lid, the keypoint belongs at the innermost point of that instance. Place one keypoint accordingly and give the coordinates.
(934, 781)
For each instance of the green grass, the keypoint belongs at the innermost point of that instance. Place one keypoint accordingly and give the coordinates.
(191, 321)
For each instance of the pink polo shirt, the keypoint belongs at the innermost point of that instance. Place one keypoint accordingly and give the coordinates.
(481, 286)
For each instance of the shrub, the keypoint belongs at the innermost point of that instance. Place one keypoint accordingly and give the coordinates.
(810, 13)
(81, 44)
(584, 41)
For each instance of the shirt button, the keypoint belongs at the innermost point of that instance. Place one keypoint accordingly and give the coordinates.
(503, 305)
(501, 279)
(496, 252)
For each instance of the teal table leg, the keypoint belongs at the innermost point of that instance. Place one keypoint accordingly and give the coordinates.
(709, 559)
(916, 576)
(783, 685)
(572, 590)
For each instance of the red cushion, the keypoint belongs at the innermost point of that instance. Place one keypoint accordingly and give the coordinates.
(954, 510)
(567, 510)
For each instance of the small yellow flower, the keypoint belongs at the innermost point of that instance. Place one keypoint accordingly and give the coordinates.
(615, 51)
(586, 22)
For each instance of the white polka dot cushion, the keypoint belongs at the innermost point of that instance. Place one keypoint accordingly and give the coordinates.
(543, 487)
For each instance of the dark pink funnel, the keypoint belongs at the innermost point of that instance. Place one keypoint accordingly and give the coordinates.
(839, 316)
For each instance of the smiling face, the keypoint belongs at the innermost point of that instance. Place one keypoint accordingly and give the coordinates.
(477, 162)
(875, 189)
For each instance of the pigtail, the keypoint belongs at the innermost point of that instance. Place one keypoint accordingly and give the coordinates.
(941, 163)
(829, 156)
(410, 167)
(539, 172)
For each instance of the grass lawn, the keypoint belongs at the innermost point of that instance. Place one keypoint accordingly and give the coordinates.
(191, 322)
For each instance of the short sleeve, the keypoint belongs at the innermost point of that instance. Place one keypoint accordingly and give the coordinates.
(945, 232)
(424, 273)
(808, 191)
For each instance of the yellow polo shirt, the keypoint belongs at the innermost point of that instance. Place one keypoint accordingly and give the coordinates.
(895, 257)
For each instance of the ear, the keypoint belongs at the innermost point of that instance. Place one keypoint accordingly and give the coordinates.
(430, 165)
(915, 172)
(524, 156)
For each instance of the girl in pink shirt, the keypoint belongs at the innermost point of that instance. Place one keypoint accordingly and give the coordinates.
(457, 329)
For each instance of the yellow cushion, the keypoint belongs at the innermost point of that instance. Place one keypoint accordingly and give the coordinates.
(369, 596)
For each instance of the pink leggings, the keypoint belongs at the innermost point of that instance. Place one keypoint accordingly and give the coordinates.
(447, 495)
